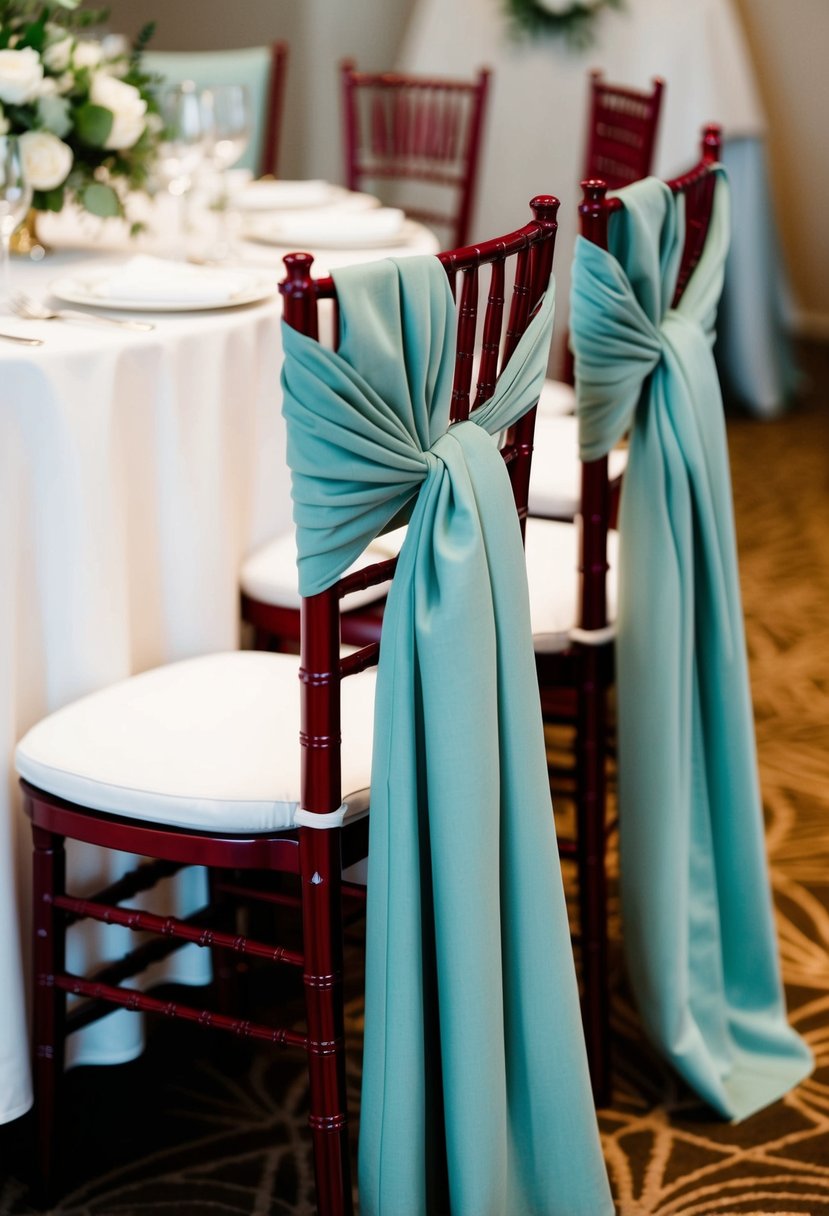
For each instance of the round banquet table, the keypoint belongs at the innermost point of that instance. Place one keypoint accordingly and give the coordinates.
(534, 139)
(136, 472)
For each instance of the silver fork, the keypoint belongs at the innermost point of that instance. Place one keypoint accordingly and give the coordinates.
(25, 306)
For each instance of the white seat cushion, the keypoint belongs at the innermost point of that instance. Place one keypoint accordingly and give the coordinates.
(207, 744)
(556, 398)
(269, 574)
(552, 572)
(555, 475)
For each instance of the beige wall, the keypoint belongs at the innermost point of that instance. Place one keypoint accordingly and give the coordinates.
(789, 40)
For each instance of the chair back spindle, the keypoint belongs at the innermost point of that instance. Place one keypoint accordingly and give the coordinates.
(416, 140)
(621, 131)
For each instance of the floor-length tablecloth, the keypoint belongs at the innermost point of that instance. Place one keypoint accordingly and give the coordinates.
(136, 472)
(534, 140)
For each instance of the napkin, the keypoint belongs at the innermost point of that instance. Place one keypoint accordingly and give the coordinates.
(159, 281)
(284, 195)
(331, 228)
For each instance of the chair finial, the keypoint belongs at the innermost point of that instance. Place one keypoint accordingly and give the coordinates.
(711, 142)
(593, 210)
(297, 288)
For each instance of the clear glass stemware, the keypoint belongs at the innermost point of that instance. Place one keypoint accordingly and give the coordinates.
(183, 145)
(226, 117)
(15, 200)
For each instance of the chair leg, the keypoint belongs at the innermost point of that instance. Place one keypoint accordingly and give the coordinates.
(323, 978)
(49, 876)
(590, 747)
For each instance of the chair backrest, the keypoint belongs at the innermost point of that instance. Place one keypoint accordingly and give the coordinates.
(595, 209)
(519, 265)
(417, 141)
(621, 131)
(261, 68)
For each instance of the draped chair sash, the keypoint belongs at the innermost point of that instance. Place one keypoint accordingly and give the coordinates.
(476, 1096)
(697, 913)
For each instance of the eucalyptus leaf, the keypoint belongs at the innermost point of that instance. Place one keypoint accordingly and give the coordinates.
(93, 124)
(101, 200)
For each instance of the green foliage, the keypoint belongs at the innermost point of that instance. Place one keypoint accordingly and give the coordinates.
(100, 177)
(575, 24)
(49, 200)
(101, 200)
(93, 124)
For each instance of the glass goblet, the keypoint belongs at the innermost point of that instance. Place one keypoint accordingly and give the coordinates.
(226, 115)
(15, 200)
(182, 146)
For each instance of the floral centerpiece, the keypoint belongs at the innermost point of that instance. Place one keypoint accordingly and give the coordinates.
(572, 19)
(81, 107)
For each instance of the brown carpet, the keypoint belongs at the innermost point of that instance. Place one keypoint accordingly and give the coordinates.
(218, 1128)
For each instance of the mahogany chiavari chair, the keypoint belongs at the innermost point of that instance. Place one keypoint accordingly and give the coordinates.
(206, 762)
(416, 141)
(622, 126)
(620, 140)
(573, 624)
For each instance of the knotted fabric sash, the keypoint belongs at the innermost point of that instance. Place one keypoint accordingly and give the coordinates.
(698, 928)
(476, 1097)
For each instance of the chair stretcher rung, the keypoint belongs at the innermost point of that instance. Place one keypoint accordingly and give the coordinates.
(142, 878)
(171, 926)
(139, 1002)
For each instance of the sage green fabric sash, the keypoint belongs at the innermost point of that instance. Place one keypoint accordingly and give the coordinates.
(697, 916)
(475, 1082)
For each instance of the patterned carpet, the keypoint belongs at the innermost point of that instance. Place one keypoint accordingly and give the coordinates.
(218, 1127)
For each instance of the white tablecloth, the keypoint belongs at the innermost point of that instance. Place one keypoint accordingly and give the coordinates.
(136, 471)
(534, 136)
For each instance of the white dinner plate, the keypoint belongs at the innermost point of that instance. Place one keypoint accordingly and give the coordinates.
(267, 195)
(269, 232)
(80, 288)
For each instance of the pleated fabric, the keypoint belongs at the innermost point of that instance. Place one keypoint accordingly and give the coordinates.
(476, 1097)
(696, 902)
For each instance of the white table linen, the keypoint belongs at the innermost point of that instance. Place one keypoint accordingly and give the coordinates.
(136, 472)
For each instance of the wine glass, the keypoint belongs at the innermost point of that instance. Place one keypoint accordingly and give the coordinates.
(15, 200)
(183, 144)
(226, 117)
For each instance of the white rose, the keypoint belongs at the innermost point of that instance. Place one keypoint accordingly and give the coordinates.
(87, 55)
(129, 109)
(57, 54)
(46, 159)
(65, 82)
(20, 75)
(115, 46)
(48, 87)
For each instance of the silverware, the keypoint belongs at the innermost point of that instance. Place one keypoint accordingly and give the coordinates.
(25, 306)
(21, 340)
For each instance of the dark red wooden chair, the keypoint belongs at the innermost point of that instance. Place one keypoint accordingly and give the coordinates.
(417, 142)
(575, 655)
(198, 763)
(622, 126)
(276, 106)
